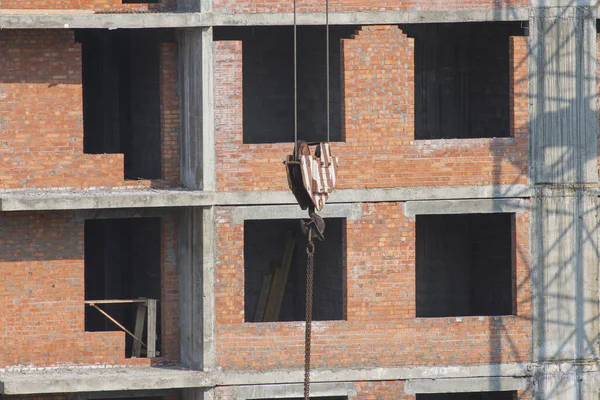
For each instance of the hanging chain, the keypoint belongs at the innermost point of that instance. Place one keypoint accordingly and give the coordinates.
(310, 263)
(295, 84)
(327, 68)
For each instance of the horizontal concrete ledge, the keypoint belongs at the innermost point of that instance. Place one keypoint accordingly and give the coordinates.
(351, 212)
(71, 19)
(382, 195)
(293, 390)
(82, 379)
(376, 374)
(466, 385)
(372, 17)
(76, 380)
(46, 200)
(53, 20)
(478, 206)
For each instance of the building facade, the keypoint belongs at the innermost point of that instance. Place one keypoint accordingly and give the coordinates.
(144, 206)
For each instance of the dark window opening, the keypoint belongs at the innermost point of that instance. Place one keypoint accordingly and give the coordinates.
(469, 396)
(462, 79)
(268, 82)
(464, 265)
(121, 97)
(316, 398)
(122, 262)
(266, 287)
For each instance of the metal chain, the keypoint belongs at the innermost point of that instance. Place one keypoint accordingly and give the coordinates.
(310, 263)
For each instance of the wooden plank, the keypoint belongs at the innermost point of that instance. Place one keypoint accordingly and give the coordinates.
(262, 298)
(116, 323)
(140, 319)
(279, 283)
(151, 331)
(92, 302)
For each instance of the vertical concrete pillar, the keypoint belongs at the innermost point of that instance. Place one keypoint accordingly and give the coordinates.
(564, 163)
(196, 259)
(196, 98)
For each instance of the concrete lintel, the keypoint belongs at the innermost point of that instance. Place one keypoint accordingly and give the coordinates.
(73, 19)
(350, 211)
(479, 206)
(77, 380)
(293, 390)
(488, 384)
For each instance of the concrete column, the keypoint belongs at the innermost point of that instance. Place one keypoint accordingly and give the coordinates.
(196, 99)
(196, 259)
(563, 163)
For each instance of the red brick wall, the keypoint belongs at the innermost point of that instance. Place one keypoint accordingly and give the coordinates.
(41, 127)
(169, 113)
(170, 290)
(361, 5)
(380, 150)
(42, 294)
(98, 5)
(381, 329)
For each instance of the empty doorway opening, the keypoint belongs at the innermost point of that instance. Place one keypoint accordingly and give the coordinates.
(271, 293)
(122, 262)
(464, 265)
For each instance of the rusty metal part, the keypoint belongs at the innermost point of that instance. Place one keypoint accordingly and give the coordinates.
(311, 177)
(310, 262)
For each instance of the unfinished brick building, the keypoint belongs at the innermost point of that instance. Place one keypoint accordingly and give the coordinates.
(141, 184)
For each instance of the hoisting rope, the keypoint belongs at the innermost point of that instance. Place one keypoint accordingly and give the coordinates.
(310, 246)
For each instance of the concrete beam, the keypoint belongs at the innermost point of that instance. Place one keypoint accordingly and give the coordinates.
(293, 390)
(480, 206)
(44, 200)
(376, 374)
(466, 385)
(92, 199)
(51, 19)
(94, 379)
(372, 17)
(46, 19)
(352, 212)
(75, 380)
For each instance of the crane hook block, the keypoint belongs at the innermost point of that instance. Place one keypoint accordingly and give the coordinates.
(311, 177)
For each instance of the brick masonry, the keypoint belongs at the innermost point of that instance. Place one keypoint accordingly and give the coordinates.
(379, 149)
(257, 6)
(42, 294)
(169, 113)
(97, 5)
(381, 327)
(41, 124)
